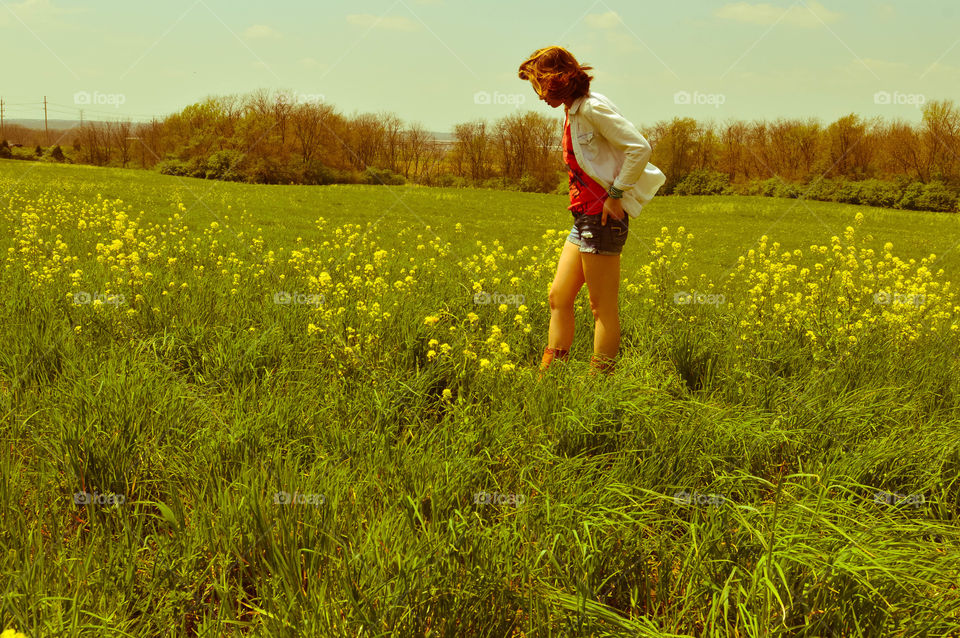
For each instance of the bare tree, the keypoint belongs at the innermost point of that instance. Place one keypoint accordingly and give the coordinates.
(366, 140)
(120, 132)
(414, 148)
(392, 143)
(308, 123)
(471, 150)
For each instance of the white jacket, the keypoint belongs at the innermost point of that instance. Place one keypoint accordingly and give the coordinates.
(612, 151)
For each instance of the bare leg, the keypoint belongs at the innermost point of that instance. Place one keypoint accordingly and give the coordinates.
(602, 275)
(563, 292)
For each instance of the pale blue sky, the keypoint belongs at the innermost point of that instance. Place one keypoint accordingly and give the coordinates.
(426, 60)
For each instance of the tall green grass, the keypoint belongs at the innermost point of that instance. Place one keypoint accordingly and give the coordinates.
(702, 490)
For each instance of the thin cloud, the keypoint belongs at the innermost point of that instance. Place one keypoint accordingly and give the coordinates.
(886, 11)
(391, 23)
(607, 20)
(32, 10)
(803, 14)
(312, 63)
(261, 32)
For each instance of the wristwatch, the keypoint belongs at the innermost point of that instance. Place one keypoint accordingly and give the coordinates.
(614, 192)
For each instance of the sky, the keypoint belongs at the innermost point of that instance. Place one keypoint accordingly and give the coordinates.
(443, 62)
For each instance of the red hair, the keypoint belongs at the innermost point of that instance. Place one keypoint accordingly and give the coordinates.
(556, 74)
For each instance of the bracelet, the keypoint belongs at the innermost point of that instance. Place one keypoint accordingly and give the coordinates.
(614, 192)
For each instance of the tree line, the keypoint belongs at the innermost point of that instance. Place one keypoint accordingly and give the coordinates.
(269, 137)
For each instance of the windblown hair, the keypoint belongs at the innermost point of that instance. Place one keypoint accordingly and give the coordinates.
(556, 74)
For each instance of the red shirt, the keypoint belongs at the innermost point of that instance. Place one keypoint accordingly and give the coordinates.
(586, 195)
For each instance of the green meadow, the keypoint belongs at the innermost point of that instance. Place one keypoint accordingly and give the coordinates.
(242, 410)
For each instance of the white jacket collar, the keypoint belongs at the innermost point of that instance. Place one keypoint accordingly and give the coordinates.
(576, 103)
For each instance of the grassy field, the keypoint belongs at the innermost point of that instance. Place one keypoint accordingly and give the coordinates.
(251, 410)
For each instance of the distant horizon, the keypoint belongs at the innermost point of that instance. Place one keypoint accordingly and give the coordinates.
(38, 123)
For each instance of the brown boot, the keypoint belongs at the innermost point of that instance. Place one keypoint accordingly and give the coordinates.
(551, 354)
(600, 363)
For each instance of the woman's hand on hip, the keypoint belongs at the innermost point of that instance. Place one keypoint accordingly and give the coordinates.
(613, 208)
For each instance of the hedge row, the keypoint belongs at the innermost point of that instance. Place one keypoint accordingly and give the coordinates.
(900, 193)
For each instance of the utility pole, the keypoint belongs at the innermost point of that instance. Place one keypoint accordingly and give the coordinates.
(2, 136)
(81, 118)
(46, 127)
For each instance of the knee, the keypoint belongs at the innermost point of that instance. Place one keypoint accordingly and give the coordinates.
(596, 310)
(559, 300)
(603, 311)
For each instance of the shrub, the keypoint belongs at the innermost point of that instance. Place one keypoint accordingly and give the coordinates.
(197, 167)
(225, 165)
(824, 190)
(500, 184)
(936, 196)
(704, 182)
(173, 167)
(910, 196)
(530, 184)
(751, 188)
(316, 173)
(5, 151)
(268, 171)
(768, 187)
(57, 154)
(847, 193)
(386, 177)
(874, 192)
(38, 151)
(451, 181)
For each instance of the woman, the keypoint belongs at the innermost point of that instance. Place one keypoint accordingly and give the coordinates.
(611, 180)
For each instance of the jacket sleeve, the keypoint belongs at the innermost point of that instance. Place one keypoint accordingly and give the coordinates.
(624, 136)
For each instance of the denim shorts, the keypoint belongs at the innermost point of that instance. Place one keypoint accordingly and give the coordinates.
(591, 237)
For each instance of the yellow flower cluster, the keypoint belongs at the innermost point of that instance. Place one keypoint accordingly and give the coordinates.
(845, 291)
(354, 294)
